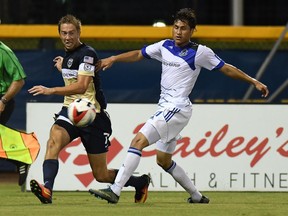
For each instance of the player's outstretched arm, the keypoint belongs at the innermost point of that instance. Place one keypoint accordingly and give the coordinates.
(131, 56)
(233, 72)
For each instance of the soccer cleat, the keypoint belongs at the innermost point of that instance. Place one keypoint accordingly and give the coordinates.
(42, 193)
(204, 200)
(106, 194)
(142, 193)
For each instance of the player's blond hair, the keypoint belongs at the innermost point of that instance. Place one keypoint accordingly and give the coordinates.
(71, 20)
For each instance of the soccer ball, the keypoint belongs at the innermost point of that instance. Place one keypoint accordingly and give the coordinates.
(81, 112)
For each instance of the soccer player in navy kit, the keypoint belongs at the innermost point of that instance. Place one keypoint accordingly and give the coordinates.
(81, 81)
(182, 61)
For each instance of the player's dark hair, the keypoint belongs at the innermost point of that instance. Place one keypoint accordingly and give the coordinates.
(71, 20)
(186, 15)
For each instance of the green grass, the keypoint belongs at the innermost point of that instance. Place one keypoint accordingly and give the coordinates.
(14, 202)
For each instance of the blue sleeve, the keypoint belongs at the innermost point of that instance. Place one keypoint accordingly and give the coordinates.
(144, 53)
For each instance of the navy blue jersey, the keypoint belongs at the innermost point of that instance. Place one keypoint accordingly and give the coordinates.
(81, 61)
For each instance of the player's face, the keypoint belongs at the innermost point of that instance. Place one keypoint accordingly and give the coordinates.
(181, 33)
(70, 37)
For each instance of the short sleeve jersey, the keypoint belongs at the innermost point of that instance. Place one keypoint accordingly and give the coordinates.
(81, 61)
(10, 68)
(180, 66)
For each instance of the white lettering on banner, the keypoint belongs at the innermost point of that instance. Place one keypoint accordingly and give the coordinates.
(219, 149)
(235, 180)
(267, 180)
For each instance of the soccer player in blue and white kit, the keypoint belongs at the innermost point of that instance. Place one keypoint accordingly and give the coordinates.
(182, 61)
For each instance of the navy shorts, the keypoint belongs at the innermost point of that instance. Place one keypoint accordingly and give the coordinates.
(94, 137)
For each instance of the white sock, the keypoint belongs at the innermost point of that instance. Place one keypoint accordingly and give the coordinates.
(130, 164)
(181, 177)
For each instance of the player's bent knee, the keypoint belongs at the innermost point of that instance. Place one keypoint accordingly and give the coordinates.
(164, 164)
(139, 141)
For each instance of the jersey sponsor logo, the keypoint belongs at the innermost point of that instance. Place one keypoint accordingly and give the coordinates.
(88, 59)
(66, 73)
(170, 64)
(70, 62)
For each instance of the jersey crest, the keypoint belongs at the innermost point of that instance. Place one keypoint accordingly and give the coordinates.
(69, 62)
(184, 52)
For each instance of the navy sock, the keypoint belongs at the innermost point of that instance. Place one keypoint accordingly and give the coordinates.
(50, 170)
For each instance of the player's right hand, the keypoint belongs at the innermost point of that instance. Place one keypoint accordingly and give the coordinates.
(39, 89)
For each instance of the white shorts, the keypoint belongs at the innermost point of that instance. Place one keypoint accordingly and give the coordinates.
(164, 127)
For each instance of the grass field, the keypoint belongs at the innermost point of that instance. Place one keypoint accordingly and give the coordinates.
(14, 202)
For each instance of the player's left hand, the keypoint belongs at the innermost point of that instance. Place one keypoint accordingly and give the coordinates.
(105, 63)
(58, 63)
(263, 88)
(37, 90)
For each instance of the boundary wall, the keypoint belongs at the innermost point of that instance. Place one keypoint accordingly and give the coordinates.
(145, 32)
(223, 148)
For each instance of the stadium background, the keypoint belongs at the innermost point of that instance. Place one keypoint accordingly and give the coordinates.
(29, 28)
